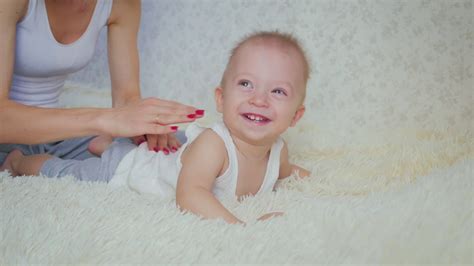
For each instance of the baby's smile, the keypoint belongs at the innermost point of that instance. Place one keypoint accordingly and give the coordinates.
(256, 118)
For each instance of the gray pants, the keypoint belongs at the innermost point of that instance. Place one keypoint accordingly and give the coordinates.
(66, 149)
(73, 158)
(99, 169)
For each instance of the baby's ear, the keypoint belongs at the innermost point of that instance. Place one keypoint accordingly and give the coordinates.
(218, 97)
(299, 113)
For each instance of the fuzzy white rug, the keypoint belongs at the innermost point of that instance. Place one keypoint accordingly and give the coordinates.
(379, 197)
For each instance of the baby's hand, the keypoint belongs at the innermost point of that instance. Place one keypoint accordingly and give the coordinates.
(166, 143)
(301, 171)
(269, 215)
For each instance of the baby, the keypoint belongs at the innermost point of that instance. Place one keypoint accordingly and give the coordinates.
(261, 94)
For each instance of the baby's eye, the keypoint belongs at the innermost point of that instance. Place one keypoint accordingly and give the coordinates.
(279, 91)
(245, 83)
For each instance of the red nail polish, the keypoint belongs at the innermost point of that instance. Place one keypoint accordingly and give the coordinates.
(173, 149)
(200, 112)
(156, 149)
(166, 151)
(191, 116)
(174, 128)
(140, 141)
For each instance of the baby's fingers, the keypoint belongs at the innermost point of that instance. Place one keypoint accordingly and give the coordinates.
(173, 142)
(270, 215)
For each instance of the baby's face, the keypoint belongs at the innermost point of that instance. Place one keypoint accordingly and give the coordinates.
(262, 92)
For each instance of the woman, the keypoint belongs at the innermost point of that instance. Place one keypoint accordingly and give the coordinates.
(41, 41)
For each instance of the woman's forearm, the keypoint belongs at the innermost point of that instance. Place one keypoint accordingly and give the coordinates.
(33, 125)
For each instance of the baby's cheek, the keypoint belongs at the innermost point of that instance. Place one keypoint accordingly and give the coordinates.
(290, 114)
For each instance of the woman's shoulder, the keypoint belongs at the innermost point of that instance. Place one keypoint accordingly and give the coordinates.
(124, 10)
(16, 8)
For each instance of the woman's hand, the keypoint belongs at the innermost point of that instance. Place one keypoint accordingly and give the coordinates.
(149, 116)
(167, 143)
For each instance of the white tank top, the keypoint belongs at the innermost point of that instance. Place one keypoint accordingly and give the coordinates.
(41, 63)
(150, 172)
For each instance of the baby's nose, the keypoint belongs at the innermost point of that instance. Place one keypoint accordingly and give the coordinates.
(259, 99)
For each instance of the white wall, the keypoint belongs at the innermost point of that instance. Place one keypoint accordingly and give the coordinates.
(376, 64)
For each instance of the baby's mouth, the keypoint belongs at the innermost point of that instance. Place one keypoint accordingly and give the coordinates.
(259, 119)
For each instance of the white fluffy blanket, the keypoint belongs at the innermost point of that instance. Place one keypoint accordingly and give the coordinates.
(378, 197)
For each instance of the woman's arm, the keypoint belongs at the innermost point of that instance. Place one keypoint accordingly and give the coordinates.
(20, 123)
(122, 31)
(123, 26)
(31, 125)
(202, 162)
(11, 11)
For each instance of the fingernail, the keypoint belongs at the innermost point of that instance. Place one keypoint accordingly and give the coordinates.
(173, 149)
(191, 116)
(140, 141)
(156, 149)
(174, 128)
(200, 112)
(166, 151)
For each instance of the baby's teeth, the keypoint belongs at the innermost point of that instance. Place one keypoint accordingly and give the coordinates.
(255, 118)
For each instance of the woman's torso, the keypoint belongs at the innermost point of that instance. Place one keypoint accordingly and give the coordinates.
(42, 63)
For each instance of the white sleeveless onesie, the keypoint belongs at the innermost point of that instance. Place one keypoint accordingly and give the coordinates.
(41, 63)
(149, 172)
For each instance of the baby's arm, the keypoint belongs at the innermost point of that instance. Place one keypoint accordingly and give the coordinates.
(286, 168)
(202, 162)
